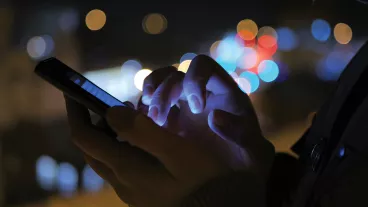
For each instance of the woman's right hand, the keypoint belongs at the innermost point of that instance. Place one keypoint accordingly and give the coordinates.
(207, 105)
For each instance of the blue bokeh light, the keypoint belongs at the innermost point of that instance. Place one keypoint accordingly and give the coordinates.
(287, 39)
(268, 70)
(321, 30)
(131, 65)
(67, 179)
(46, 172)
(187, 56)
(92, 182)
(228, 52)
(252, 79)
(331, 67)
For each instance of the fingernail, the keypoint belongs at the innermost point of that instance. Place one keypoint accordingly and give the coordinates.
(120, 118)
(194, 104)
(153, 113)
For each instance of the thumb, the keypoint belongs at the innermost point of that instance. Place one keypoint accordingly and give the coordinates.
(245, 132)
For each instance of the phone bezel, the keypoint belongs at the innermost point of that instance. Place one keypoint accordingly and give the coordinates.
(59, 75)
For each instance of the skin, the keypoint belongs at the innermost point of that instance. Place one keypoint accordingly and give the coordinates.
(198, 126)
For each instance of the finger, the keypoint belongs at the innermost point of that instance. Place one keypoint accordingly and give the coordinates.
(107, 174)
(148, 136)
(78, 115)
(101, 169)
(129, 104)
(153, 81)
(205, 74)
(244, 132)
(87, 137)
(165, 96)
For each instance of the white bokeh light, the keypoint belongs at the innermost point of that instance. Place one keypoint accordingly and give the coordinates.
(46, 172)
(139, 78)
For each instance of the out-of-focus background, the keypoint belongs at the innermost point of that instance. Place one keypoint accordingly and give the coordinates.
(287, 55)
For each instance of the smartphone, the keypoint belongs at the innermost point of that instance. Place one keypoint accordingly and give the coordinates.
(76, 86)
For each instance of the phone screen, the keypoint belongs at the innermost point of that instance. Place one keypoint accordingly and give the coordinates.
(97, 92)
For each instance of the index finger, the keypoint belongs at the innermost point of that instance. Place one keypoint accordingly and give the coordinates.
(205, 74)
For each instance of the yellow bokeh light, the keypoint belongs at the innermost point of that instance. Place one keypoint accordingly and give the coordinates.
(184, 66)
(139, 78)
(176, 65)
(247, 29)
(343, 33)
(95, 19)
(213, 49)
(154, 23)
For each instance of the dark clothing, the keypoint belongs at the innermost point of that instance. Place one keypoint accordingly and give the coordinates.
(332, 169)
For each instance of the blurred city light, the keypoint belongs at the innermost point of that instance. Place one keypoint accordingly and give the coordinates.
(187, 56)
(213, 49)
(268, 70)
(228, 52)
(40, 46)
(248, 59)
(69, 20)
(321, 30)
(343, 33)
(330, 68)
(176, 65)
(92, 182)
(134, 65)
(67, 179)
(287, 39)
(184, 66)
(252, 78)
(247, 29)
(267, 37)
(95, 19)
(244, 85)
(154, 23)
(46, 172)
(139, 78)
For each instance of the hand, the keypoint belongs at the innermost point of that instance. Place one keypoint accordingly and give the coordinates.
(218, 113)
(153, 168)
(157, 167)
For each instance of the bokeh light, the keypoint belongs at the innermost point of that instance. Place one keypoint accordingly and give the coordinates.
(249, 58)
(184, 66)
(176, 65)
(139, 78)
(92, 182)
(154, 23)
(131, 65)
(213, 49)
(321, 30)
(69, 20)
(40, 46)
(330, 68)
(343, 33)
(287, 39)
(46, 172)
(228, 52)
(95, 19)
(187, 56)
(247, 29)
(268, 70)
(252, 78)
(244, 85)
(267, 37)
(67, 179)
